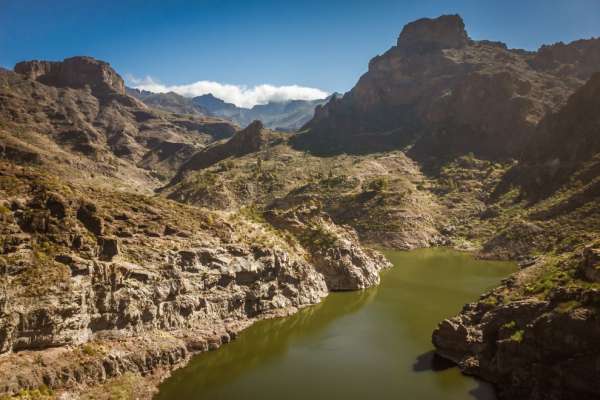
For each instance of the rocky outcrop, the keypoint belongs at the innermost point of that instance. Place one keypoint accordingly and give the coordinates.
(425, 35)
(590, 265)
(580, 58)
(246, 141)
(563, 146)
(448, 95)
(334, 250)
(530, 347)
(119, 137)
(554, 139)
(99, 272)
(74, 72)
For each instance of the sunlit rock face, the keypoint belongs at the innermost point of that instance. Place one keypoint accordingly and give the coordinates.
(74, 72)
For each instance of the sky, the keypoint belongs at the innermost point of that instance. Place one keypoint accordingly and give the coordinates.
(250, 52)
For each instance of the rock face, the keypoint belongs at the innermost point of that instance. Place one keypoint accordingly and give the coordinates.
(119, 138)
(74, 72)
(448, 95)
(530, 348)
(564, 144)
(68, 283)
(554, 139)
(333, 249)
(246, 141)
(425, 35)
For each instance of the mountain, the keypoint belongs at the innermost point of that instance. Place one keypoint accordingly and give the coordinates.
(103, 277)
(536, 335)
(285, 115)
(133, 237)
(215, 105)
(82, 112)
(445, 94)
(170, 101)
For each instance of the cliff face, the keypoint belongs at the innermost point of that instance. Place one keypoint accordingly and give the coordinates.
(449, 95)
(97, 268)
(100, 277)
(74, 72)
(563, 146)
(115, 136)
(536, 335)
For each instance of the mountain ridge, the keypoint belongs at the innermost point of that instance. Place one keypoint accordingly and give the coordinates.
(441, 92)
(289, 115)
(445, 141)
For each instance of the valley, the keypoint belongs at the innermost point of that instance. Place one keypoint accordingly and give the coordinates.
(138, 231)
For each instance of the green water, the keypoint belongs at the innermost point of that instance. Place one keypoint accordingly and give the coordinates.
(374, 344)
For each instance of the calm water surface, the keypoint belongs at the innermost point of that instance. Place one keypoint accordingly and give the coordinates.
(374, 344)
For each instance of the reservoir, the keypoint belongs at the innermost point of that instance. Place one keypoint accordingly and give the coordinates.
(372, 344)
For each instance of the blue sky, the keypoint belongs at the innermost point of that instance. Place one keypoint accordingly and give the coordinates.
(320, 44)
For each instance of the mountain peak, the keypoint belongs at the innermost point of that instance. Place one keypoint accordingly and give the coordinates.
(427, 34)
(74, 72)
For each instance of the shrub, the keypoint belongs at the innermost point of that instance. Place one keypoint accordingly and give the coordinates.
(379, 185)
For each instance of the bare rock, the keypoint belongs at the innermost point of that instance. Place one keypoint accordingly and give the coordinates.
(88, 217)
(445, 32)
(109, 248)
(590, 265)
(74, 72)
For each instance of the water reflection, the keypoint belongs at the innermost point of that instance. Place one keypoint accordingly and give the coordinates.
(356, 345)
(261, 344)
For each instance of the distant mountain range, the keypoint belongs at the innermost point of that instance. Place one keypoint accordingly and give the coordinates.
(288, 115)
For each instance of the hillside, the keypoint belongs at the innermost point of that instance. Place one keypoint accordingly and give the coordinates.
(103, 281)
(134, 237)
(284, 115)
(74, 118)
(446, 95)
(288, 115)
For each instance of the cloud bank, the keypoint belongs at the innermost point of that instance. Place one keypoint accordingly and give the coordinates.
(241, 96)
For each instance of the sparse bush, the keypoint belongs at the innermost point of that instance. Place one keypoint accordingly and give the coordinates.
(379, 185)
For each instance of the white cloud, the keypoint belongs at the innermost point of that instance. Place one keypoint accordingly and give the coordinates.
(241, 96)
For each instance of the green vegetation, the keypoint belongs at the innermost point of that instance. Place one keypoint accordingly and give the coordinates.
(126, 387)
(41, 393)
(567, 306)
(510, 325)
(317, 235)
(92, 349)
(380, 184)
(517, 336)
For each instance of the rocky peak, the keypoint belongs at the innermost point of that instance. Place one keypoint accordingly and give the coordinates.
(426, 34)
(74, 72)
(248, 140)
